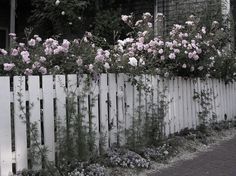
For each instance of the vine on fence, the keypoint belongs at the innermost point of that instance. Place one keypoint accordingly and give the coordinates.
(205, 99)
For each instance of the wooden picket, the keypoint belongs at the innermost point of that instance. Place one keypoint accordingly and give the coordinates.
(35, 110)
(110, 105)
(20, 125)
(48, 115)
(5, 127)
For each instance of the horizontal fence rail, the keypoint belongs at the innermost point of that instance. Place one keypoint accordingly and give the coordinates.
(112, 100)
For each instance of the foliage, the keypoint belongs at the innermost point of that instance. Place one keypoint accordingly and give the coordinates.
(148, 127)
(126, 158)
(189, 50)
(108, 25)
(204, 98)
(62, 16)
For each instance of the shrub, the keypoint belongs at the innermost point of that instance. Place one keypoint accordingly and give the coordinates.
(189, 50)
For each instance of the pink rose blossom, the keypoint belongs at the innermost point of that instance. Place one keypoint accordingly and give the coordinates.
(28, 71)
(14, 52)
(162, 57)
(3, 52)
(190, 55)
(65, 44)
(42, 59)
(172, 56)
(8, 66)
(195, 57)
(25, 55)
(36, 65)
(31, 42)
(100, 58)
(43, 70)
(107, 54)
(177, 51)
(124, 18)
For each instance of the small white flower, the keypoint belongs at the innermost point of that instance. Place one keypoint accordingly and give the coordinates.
(91, 67)
(172, 56)
(31, 42)
(42, 59)
(138, 22)
(12, 35)
(63, 13)
(141, 62)
(107, 53)
(189, 23)
(133, 61)
(161, 51)
(200, 68)
(204, 30)
(166, 152)
(195, 57)
(177, 51)
(79, 61)
(219, 53)
(124, 18)
(212, 58)
(57, 2)
(38, 39)
(192, 69)
(184, 66)
(150, 25)
(106, 66)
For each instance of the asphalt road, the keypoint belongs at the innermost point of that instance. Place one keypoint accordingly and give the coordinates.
(221, 161)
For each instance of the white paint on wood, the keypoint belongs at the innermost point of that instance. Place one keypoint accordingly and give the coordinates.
(5, 127)
(20, 125)
(60, 99)
(94, 91)
(129, 102)
(189, 104)
(112, 109)
(121, 108)
(175, 105)
(182, 112)
(83, 99)
(103, 90)
(48, 116)
(180, 103)
(171, 106)
(34, 103)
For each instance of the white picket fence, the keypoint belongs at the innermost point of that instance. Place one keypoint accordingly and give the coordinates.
(118, 102)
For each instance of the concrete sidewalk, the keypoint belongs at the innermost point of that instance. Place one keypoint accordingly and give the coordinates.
(221, 161)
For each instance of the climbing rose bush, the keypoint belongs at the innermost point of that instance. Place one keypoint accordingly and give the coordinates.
(188, 50)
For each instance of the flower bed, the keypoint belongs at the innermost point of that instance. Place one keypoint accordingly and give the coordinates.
(188, 50)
